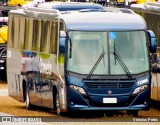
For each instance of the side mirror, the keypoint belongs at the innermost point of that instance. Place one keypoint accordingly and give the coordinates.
(62, 42)
(152, 39)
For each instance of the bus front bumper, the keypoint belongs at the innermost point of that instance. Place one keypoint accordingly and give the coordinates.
(138, 102)
(135, 107)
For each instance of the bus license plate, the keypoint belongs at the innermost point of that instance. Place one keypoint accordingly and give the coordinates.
(109, 100)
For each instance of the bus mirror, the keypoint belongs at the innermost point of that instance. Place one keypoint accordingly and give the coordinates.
(152, 40)
(62, 42)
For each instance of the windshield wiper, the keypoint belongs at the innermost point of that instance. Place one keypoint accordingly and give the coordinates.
(121, 62)
(96, 64)
(70, 49)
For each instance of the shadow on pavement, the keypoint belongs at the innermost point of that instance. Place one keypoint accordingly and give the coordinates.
(155, 104)
(92, 114)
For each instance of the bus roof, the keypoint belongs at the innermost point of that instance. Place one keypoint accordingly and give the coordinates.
(65, 6)
(103, 21)
(90, 19)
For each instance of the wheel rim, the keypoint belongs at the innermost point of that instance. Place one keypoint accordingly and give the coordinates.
(27, 99)
(57, 105)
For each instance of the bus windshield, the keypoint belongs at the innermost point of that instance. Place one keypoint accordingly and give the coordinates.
(94, 52)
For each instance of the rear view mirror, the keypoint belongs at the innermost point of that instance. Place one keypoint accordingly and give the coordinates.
(62, 42)
(152, 39)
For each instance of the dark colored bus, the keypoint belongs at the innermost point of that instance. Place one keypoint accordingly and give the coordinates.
(80, 60)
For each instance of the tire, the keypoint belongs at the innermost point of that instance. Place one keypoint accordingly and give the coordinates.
(27, 101)
(133, 113)
(109, 113)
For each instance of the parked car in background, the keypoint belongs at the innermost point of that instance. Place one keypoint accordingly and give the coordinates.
(3, 46)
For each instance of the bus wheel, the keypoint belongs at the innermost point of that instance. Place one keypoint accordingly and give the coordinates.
(28, 105)
(133, 113)
(58, 105)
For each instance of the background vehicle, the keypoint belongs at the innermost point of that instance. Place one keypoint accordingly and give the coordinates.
(3, 46)
(83, 60)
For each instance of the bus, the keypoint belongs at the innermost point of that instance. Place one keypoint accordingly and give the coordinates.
(80, 60)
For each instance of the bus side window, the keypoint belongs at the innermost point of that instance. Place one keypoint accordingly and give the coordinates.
(10, 31)
(28, 34)
(36, 35)
(62, 26)
(16, 32)
(48, 33)
(53, 37)
(22, 32)
(44, 36)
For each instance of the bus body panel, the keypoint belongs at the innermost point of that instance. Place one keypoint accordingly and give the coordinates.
(13, 70)
(40, 82)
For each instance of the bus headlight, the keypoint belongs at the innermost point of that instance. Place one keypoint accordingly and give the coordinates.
(78, 89)
(140, 89)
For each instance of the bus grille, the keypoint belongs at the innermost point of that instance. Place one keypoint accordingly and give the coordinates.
(109, 84)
